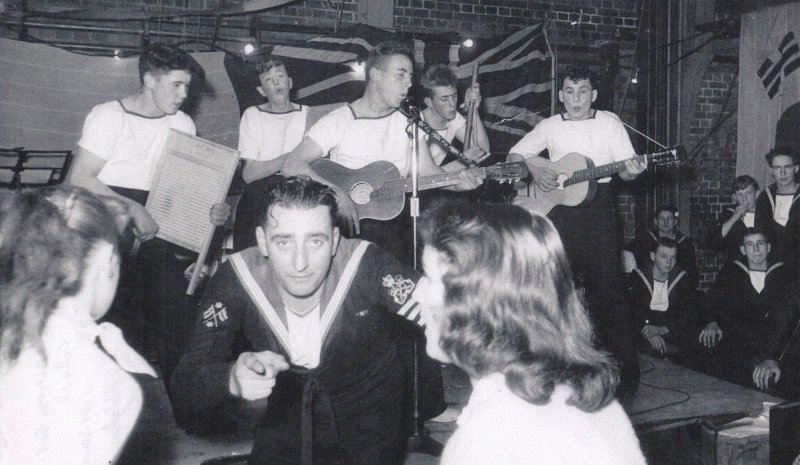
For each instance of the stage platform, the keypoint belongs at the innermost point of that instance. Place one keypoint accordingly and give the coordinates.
(669, 396)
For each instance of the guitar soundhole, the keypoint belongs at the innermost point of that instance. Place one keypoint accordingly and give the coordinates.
(360, 193)
(560, 179)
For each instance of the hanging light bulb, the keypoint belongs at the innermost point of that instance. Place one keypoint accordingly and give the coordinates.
(249, 48)
(359, 69)
(635, 78)
(469, 43)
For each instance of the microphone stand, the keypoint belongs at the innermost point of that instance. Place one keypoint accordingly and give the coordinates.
(419, 441)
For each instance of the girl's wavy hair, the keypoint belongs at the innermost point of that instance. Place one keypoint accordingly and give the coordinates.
(45, 237)
(511, 304)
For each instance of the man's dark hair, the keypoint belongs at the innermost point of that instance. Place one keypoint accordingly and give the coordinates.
(667, 208)
(753, 231)
(437, 76)
(385, 50)
(158, 59)
(667, 242)
(778, 151)
(743, 182)
(272, 62)
(579, 73)
(297, 192)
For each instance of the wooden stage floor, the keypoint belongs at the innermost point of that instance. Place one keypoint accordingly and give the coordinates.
(669, 395)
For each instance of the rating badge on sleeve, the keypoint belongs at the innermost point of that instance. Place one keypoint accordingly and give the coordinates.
(215, 315)
(399, 287)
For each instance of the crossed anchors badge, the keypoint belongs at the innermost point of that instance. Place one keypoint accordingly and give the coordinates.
(399, 287)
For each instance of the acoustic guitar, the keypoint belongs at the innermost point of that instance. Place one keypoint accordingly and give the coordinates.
(379, 191)
(576, 178)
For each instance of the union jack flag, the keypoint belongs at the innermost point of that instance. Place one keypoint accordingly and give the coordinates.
(514, 73)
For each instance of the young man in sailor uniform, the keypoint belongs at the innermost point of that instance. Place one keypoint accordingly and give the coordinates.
(752, 307)
(309, 306)
(665, 224)
(778, 209)
(729, 232)
(664, 301)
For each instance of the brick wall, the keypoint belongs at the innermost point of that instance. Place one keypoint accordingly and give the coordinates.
(714, 167)
(487, 17)
(576, 28)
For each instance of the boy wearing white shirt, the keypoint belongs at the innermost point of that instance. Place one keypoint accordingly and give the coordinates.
(441, 113)
(267, 132)
(118, 154)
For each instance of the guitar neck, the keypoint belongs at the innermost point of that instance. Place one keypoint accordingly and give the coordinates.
(402, 186)
(598, 172)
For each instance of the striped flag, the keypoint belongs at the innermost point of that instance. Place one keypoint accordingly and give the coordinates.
(514, 73)
(783, 62)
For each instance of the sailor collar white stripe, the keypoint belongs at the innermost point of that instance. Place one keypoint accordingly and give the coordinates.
(766, 272)
(675, 281)
(334, 305)
(771, 198)
(257, 296)
(645, 280)
(671, 285)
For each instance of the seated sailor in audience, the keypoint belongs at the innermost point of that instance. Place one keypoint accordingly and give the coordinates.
(664, 303)
(66, 397)
(665, 224)
(751, 309)
(441, 113)
(729, 231)
(267, 132)
(499, 302)
(310, 308)
(778, 209)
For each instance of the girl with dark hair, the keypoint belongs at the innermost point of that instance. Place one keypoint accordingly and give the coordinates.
(62, 399)
(498, 300)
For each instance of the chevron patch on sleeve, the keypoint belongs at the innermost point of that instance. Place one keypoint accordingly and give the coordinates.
(399, 287)
(215, 315)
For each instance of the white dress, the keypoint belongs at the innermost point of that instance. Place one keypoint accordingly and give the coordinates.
(77, 406)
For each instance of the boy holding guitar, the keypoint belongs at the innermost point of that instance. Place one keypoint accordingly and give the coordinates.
(369, 129)
(589, 232)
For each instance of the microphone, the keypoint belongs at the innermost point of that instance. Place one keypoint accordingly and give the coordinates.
(408, 107)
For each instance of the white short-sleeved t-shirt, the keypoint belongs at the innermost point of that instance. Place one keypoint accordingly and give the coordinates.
(438, 153)
(264, 135)
(601, 138)
(355, 142)
(131, 144)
